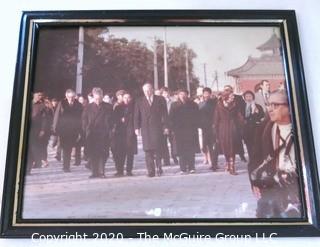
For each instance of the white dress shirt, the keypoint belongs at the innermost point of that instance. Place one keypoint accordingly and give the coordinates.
(286, 163)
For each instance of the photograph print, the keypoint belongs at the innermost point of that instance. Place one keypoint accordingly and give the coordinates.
(161, 122)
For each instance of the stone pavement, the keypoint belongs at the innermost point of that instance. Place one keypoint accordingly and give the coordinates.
(52, 194)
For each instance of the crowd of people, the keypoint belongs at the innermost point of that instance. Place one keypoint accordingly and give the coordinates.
(174, 126)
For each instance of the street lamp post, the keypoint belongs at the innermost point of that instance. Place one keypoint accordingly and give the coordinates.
(165, 58)
(80, 61)
(155, 65)
(187, 71)
(205, 74)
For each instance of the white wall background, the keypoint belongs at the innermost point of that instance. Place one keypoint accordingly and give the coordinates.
(308, 21)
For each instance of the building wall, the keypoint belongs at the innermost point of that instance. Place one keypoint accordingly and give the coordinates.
(249, 84)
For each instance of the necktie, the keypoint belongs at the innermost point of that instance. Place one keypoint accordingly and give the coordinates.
(266, 97)
(248, 110)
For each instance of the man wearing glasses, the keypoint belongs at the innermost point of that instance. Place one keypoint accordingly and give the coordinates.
(275, 159)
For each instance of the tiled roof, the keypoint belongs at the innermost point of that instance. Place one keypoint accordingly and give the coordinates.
(265, 65)
(272, 43)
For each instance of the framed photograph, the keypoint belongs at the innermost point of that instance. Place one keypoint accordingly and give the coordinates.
(160, 124)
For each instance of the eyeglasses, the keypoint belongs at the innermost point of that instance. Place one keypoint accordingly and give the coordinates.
(274, 106)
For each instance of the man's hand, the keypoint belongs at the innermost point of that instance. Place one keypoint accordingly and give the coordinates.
(78, 138)
(41, 133)
(256, 192)
(137, 132)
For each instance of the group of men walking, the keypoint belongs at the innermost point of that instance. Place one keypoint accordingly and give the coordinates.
(212, 124)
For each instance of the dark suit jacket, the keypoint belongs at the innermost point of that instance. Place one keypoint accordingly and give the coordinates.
(252, 121)
(184, 122)
(123, 136)
(39, 120)
(263, 145)
(67, 120)
(97, 124)
(207, 109)
(152, 120)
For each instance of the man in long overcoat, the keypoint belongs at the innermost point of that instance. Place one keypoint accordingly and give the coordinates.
(124, 139)
(151, 117)
(67, 125)
(184, 122)
(207, 109)
(38, 126)
(97, 124)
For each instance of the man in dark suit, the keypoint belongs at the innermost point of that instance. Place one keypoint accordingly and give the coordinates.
(151, 117)
(253, 116)
(207, 108)
(184, 122)
(263, 94)
(97, 124)
(165, 92)
(67, 125)
(124, 139)
(39, 124)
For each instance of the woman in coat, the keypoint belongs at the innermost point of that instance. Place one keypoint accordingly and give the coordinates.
(226, 118)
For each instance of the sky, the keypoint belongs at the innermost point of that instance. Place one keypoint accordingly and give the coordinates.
(220, 48)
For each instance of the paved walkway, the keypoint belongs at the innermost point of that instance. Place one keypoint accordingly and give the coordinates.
(50, 193)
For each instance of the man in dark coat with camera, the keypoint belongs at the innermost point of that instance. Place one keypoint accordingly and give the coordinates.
(67, 125)
(151, 117)
(274, 178)
(97, 125)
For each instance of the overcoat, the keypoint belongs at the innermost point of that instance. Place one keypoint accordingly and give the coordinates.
(226, 124)
(152, 120)
(97, 125)
(123, 136)
(67, 120)
(184, 122)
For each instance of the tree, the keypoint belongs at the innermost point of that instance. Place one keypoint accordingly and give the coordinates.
(56, 61)
(110, 62)
(116, 63)
(176, 57)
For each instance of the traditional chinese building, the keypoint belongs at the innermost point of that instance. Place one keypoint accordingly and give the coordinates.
(269, 66)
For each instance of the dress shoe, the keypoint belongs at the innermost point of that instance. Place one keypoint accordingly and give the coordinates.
(243, 158)
(175, 160)
(159, 172)
(118, 174)
(66, 170)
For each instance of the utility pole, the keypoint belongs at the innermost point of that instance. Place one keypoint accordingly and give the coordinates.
(205, 74)
(80, 61)
(216, 80)
(165, 58)
(155, 65)
(187, 71)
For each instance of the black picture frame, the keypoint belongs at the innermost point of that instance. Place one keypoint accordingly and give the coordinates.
(13, 226)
